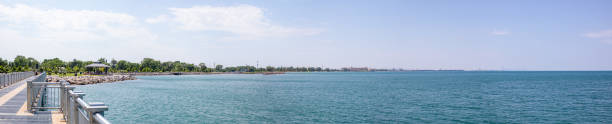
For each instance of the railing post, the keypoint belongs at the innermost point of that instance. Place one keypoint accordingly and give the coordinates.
(30, 95)
(69, 104)
(75, 106)
(65, 103)
(2, 80)
(62, 93)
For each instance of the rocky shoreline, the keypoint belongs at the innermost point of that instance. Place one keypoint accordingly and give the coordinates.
(83, 80)
(193, 73)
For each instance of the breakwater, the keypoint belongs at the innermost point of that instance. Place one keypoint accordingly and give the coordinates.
(83, 80)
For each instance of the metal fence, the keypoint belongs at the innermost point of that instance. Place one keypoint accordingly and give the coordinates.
(6, 79)
(35, 92)
(43, 96)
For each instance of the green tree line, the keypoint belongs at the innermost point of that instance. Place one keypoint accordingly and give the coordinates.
(56, 65)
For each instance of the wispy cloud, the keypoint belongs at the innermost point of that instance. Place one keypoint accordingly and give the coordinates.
(158, 19)
(242, 20)
(78, 32)
(604, 35)
(500, 32)
(68, 25)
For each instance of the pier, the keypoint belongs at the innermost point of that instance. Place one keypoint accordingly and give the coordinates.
(28, 99)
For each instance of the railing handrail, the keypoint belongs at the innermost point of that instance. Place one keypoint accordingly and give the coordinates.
(100, 119)
(7, 79)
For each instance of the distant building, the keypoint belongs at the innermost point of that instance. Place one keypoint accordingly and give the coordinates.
(356, 69)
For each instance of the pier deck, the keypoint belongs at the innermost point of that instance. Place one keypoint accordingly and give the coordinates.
(12, 107)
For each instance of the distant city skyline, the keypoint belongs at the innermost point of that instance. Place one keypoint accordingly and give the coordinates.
(479, 35)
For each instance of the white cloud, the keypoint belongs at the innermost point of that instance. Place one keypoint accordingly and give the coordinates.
(499, 32)
(89, 34)
(246, 21)
(32, 31)
(67, 25)
(600, 34)
(605, 35)
(158, 19)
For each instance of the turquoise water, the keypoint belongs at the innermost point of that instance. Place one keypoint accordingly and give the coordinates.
(364, 97)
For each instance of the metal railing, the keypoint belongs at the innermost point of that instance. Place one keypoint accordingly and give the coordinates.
(61, 95)
(36, 91)
(6, 79)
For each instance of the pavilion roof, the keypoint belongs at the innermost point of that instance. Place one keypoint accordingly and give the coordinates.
(97, 65)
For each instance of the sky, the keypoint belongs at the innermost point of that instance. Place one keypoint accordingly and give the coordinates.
(432, 34)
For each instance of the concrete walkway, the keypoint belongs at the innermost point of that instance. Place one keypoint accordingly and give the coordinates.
(12, 106)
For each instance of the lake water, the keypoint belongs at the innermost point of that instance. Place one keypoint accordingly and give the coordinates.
(361, 97)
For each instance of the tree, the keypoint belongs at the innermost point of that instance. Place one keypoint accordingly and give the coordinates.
(102, 60)
(269, 68)
(133, 67)
(4, 69)
(167, 66)
(21, 63)
(177, 66)
(52, 65)
(230, 69)
(4, 66)
(55, 65)
(153, 65)
(3, 62)
(75, 63)
(147, 69)
(202, 67)
(114, 64)
(76, 69)
(122, 65)
(33, 63)
(189, 67)
(219, 67)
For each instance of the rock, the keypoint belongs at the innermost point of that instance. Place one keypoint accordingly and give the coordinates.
(83, 80)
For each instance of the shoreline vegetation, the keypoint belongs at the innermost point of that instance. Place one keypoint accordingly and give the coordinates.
(58, 66)
(76, 72)
(194, 73)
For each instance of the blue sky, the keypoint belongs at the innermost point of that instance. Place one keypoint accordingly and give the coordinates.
(492, 35)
